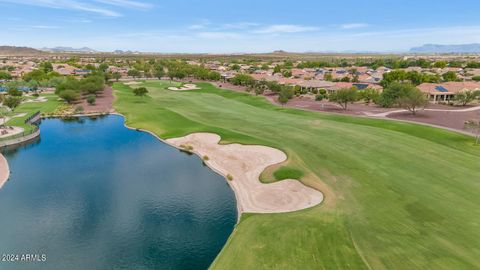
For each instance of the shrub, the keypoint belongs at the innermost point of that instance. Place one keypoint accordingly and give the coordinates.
(12, 102)
(229, 177)
(78, 109)
(344, 96)
(205, 158)
(393, 92)
(91, 99)
(69, 95)
(14, 92)
(141, 91)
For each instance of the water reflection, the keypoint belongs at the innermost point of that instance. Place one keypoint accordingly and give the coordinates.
(92, 194)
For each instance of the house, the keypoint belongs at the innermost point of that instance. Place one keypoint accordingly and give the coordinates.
(81, 71)
(63, 69)
(359, 86)
(438, 92)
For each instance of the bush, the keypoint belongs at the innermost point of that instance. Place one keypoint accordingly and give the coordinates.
(14, 92)
(141, 91)
(285, 94)
(91, 99)
(12, 102)
(78, 109)
(285, 172)
(69, 96)
(206, 158)
(368, 95)
(229, 177)
(344, 96)
(393, 92)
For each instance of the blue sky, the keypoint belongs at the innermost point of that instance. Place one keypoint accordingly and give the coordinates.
(239, 26)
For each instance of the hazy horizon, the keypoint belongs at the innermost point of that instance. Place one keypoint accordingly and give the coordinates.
(250, 27)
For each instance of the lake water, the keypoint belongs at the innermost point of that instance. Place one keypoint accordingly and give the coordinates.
(92, 194)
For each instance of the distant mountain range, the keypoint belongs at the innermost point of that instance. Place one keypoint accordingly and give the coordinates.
(437, 48)
(69, 49)
(13, 50)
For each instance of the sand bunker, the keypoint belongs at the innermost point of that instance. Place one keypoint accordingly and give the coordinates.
(4, 170)
(39, 99)
(245, 163)
(184, 87)
(10, 131)
(131, 83)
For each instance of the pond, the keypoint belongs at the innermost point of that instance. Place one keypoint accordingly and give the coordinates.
(92, 194)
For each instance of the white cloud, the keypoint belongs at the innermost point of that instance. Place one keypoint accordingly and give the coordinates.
(66, 4)
(354, 25)
(239, 26)
(44, 26)
(284, 28)
(126, 3)
(219, 35)
(80, 21)
(201, 25)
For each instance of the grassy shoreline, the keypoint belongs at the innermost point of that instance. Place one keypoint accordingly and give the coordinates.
(393, 189)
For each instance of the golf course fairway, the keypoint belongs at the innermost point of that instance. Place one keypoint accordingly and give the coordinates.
(397, 195)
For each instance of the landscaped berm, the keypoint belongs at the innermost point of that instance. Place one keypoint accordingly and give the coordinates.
(396, 195)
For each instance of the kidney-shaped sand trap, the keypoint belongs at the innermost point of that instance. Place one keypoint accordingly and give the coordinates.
(245, 163)
(185, 87)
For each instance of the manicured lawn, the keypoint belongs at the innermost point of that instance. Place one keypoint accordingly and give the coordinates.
(32, 107)
(285, 172)
(398, 195)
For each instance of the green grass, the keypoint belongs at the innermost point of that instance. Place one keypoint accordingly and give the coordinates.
(285, 172)
(397, 195)
(32, 107)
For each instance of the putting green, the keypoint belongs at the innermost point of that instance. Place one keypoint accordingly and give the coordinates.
(30, 108)
(398, 195)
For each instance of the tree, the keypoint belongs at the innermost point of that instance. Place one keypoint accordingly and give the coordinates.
(235, 67)
(159, 73)
(12, 102)
(46, 67)
(475, 78)
(449, 76)
(69, 96)
(368, 95)
(466, 97)
(287, 73)
(37, 75)
(412, 100)
(243, 79)
(440, 64)
(395, 90)
(286, 93)
(343, 96)
(133, 73)
(328, 77)
(214, 76)
(474, 125)
(103, 67)
(5, 75)
(277, 69)
(91, 99)
(3, 114)
(14, 92)
(141, 91)
(322, 94)
(116, 76)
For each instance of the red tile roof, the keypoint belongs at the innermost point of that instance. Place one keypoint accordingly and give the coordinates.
(451, 87)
